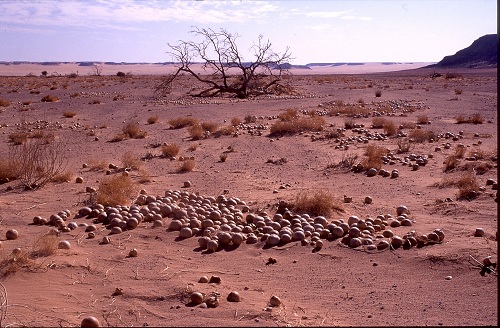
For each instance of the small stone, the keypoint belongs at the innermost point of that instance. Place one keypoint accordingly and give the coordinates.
(79, 180)
(448, 278)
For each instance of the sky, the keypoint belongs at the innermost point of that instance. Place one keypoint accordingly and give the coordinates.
(315, 31)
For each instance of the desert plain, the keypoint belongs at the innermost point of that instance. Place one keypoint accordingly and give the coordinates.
(247, 166)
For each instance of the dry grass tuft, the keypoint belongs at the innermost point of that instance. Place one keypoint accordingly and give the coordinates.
(97, 164)
(187, 165)
(210, 126)
(182, 122)
(130, 160)
(473, 119)
(345, 163)
(421, 135)
(170, 150)
(291, 123)
(468, 187)
(45, 245)
(423, 119)
(117, 190)
(235, 121)
(196, 132)
(62, 177)
(225, 131)
(316, 202)
(373, 156)
(49, 98)
(7, 170)
(153, 119)
(4, 102)
(69, 114)
(451, 162)
(133, 131)
(18, 138)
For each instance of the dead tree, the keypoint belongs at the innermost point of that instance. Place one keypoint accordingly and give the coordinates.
(226, 70)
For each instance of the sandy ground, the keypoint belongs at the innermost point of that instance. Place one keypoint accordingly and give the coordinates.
(335, 285)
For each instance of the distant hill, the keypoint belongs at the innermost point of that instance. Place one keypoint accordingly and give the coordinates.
(482, 53)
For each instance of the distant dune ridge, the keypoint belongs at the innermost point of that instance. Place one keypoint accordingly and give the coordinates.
(482, 53)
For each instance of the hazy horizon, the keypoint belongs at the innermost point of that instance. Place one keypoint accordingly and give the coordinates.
(136, 31)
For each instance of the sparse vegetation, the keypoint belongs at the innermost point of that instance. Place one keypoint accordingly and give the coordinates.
(291, 123)
(153, 119)
(170, 150)
(378, 93)
(62, 177)
(421, 135)
(468, 187)
(345, 163)
(316, 202)
(116, 190)
(187, 165)
(423, 119)
(7, 170)
(196, 132)
(473, 119)
(224, 131)
(4, 102)
(182, 122)
(37, 162)
(18, 138)
(235, 121)
(373, 155)
(129, 160)
(50, 98)
(458, 91)
(69, 114)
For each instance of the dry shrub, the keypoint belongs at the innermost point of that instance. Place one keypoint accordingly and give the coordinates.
(407, 125)
(339, 107)
(187, 165)
(467, 184)
(170, 150)
(37, 162)
(181, 122)
(7, 170)
(69, 114)
(45, 245)
(225, 131)
(404, 145)
(12, 263)
(223, 157)
(374, 156)
(130, 160)
(421, 135)
(97, 164)
(289, 115)
(478, 167)
(378, 122)
(390, 128)
(297, 125)
(153, 119)
(453, 76)
(193, 147)
(345, 163)
(316, 202)
(473, 119)
(18, 138)
(144, 176)
(133, 131)
(450, 163)
(349, 123)
(482, 154)
(423, 119)
(196, 132)
(45, 136)
(4, 102)
(210, 126)
(94, 102)
(117, 190)
(250, 119)
(62, 177)
(235, 121)
(49, 98)
(458, 91)
(378, 93)
(119, 137)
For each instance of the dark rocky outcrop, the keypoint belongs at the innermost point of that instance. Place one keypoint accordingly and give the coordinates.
(482, 53)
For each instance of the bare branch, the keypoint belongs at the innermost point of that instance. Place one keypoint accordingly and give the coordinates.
(219, 53)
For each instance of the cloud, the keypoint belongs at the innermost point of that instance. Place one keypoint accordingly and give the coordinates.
(364, 18)
(326, 14)
(120, 14)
